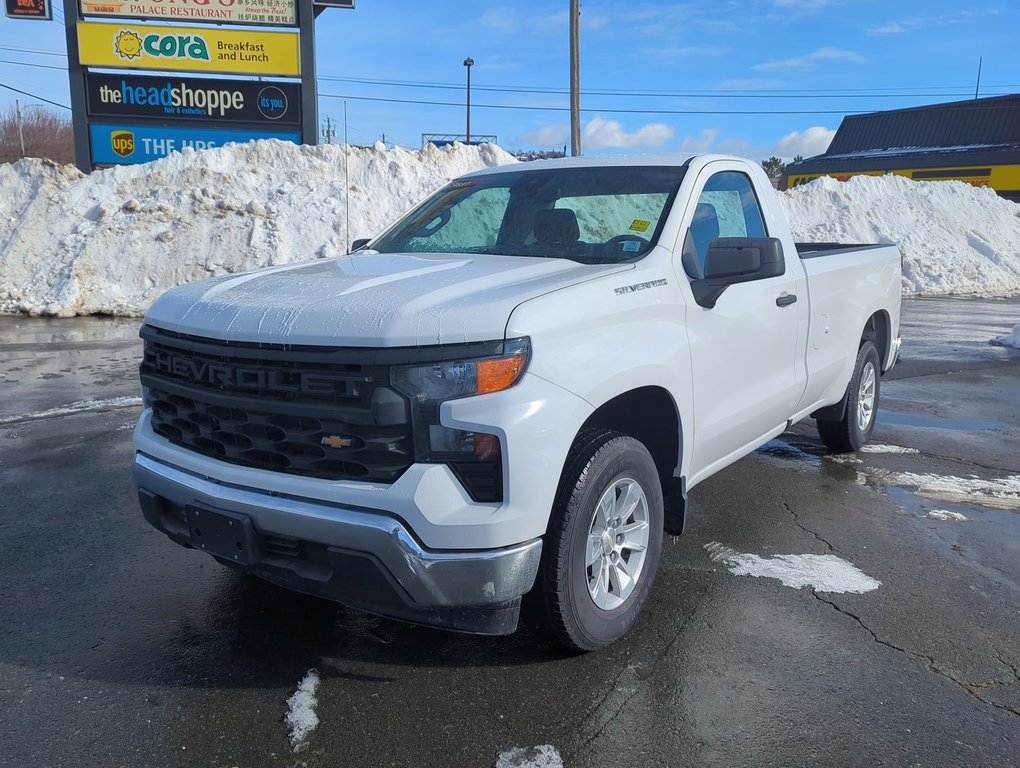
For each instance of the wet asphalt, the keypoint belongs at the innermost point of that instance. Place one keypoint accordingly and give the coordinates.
(118, 648)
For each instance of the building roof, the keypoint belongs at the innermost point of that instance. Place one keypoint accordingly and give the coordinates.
(977, 121)
(978, 130)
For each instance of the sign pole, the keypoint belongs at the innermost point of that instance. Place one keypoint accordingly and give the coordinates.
(76, 81)
(309, 90)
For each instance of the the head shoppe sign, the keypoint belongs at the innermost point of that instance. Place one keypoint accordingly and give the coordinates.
(193, 49)
(172, 98)
(281, 12)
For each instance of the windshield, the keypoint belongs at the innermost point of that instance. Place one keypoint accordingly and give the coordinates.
(592, 215)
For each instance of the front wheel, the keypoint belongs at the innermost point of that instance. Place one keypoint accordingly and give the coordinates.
(854, 429)
(602, 549)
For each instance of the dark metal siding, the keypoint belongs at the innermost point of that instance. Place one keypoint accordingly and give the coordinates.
(905, 160)
(978, 121)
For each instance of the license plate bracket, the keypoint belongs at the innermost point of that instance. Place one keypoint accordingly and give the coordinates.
(228, 535)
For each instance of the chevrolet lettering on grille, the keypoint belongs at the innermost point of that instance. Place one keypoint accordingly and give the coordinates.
(250, 378)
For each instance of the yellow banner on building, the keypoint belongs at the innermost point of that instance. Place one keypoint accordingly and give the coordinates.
(190, 49)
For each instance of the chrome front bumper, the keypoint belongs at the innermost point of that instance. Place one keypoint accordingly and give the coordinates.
(359, 557)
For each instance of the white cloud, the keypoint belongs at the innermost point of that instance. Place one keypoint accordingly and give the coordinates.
(811, 59)
(548, 136)
(596, 23)
(813, 141)
(599, 133)
(920, 22)
(499, 20)
(701, 143)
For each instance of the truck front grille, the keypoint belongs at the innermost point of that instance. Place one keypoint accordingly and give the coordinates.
(318, 412)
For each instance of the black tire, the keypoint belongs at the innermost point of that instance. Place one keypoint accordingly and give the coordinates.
(849, 433)
(601, 464)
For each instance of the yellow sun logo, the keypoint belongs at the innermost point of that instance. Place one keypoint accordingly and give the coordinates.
(127, 45)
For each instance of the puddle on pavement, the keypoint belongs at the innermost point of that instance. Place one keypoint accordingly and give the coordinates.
(928, 422)
(834, 466)
(988, 542)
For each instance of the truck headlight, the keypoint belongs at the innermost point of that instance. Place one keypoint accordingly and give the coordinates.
(475, 457)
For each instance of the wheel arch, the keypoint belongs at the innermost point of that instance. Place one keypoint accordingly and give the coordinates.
(878, 330)
(650, 415)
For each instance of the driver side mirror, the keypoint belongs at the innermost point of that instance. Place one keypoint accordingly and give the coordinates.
(360, 243)
(732, 260)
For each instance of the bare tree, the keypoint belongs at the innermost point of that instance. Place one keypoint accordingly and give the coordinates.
(42, 132)
(774, 167)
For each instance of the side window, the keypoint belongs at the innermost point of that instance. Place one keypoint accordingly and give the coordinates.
(727, 207)
(473, 223)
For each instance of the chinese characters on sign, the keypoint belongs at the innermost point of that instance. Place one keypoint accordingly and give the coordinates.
(281, 12)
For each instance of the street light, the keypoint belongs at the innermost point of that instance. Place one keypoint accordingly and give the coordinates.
(17, 118)
(468, 62)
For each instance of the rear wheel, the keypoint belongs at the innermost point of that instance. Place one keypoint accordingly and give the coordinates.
(605, 535)
(854, 429)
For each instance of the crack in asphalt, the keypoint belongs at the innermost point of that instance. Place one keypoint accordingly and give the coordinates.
(1015, 669)
(932, 665)
(799, 524)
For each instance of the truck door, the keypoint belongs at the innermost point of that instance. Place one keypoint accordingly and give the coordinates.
(744, 350)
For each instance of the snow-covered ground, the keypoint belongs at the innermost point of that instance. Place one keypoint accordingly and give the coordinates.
(112, 241)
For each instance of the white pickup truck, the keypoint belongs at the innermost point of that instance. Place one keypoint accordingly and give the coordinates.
(508, 393)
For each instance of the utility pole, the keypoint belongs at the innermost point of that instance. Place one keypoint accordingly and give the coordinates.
(21, 133)
(575, 80)
(977, 88)
(468, 62)
(329, 131)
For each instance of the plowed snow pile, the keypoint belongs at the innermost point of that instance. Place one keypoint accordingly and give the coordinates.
(955, 238)
(112, 241)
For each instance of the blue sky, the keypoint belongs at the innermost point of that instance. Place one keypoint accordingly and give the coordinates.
(654, 76)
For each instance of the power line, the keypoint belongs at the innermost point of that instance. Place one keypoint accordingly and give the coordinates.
(800, 93)
(29, 64)
(601, 111)
(61, 54)
(34, 96)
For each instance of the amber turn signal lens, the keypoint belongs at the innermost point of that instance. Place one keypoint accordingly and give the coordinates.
(486, 446)
(499, 374)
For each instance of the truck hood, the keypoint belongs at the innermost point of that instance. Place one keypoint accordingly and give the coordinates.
(378, 300)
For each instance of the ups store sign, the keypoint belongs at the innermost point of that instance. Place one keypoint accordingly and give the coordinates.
(189, 98)
(123, 144)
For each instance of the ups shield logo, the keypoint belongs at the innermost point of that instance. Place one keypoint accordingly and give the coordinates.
(123, 142)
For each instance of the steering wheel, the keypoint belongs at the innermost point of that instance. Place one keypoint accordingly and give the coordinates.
(616, 245)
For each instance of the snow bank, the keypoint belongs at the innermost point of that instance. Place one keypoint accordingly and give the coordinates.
(1011, 339)
(955, 238)
(112, 241)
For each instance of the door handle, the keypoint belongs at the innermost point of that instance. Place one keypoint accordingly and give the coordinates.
(786, 300)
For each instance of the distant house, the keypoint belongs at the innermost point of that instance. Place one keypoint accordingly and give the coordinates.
(976, 141)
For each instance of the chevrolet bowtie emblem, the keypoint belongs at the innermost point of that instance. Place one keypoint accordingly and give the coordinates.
(335, 441)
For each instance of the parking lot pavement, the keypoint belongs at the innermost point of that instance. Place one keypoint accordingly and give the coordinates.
(118, 648)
